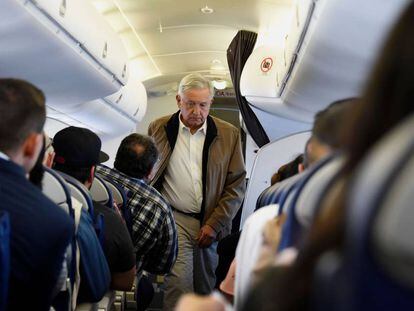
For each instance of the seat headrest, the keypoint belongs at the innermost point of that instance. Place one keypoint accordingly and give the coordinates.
(117, 193)
(79, 192)
(100, 192)
(312, 192)
(379, 228)
(55, 188)
(275, 193)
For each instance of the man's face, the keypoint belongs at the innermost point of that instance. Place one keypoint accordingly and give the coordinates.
(194, 106)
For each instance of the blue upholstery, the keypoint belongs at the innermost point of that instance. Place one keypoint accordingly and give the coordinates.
(126, 213)
(373, 284)
(292, 229)
(277, 193)
(376, 268)
(4, 258)
(119, 191)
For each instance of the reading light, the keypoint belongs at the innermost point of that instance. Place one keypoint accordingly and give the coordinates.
(219, 84)
(207, 10)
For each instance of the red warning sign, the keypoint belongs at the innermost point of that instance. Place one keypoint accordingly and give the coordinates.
(266, 64)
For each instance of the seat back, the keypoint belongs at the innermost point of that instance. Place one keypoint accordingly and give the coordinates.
(313, 191)
(100, 192)
(375, 270)
(277, 192)
(56, 189)
(379, 253)
(118, 193)
(293, 230)
(79, 192)
(4, 258)
(120, 199)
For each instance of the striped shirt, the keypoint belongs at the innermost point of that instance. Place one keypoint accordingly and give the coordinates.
(154, 232)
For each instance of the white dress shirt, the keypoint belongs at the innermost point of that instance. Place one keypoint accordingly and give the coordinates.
(183, 185)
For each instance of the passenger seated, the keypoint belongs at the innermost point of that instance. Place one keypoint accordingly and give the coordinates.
(153, 229)
(386, 101)
(37, 172)
(288, 170)
(41, 231)
(77, 154)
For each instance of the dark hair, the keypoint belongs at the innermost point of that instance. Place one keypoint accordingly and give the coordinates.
(288, 170)
(22, 111)
(306, 155)
(136, 156)
(81, 174)
(328, 123)
(37, 172)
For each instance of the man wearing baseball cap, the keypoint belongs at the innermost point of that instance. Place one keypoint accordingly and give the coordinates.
(77, 152)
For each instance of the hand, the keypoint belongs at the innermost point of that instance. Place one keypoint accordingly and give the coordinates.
(206, 236)
(272, 232)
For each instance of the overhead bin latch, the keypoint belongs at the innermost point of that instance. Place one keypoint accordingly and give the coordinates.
(124, 71)
(105, 50)
(62, 8)
(119, 99)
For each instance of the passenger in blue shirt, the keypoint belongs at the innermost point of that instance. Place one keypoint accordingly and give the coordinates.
(40, 230)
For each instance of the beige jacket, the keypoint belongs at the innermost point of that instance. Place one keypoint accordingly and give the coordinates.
(223, 169)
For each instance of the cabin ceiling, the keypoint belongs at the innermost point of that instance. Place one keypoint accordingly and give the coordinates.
(166, 39)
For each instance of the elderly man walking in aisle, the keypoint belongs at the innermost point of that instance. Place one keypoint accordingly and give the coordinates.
(201, 173)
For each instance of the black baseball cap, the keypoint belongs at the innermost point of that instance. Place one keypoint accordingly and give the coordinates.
(79, 147)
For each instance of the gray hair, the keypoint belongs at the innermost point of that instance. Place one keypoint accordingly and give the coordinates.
(195, 81)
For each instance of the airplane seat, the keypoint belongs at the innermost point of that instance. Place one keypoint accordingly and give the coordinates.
(79, 192)
(378, 258)
(275, 193)
(101, 193)
(56, 189)
(270, 194)
(4, 258)
(294, 228)
(120, 199)
(308, 201)
(118, 193)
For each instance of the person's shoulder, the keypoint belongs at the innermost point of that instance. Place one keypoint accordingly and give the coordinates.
(56, 213)
(224, 125)
(157, 199)
(160, 121)
(111, 217)
(105, 211)
(56, 216)
(57, 224)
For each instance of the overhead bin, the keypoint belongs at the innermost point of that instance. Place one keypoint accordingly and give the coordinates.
(329, 52)
(262, 79)
(130, 100)
(115, 114)
(64, 47)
